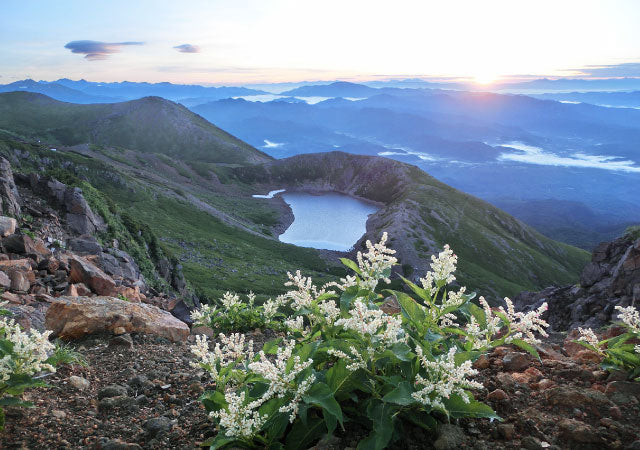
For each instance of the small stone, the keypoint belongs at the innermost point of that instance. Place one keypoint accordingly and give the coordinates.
(140, 382)
(79, 383)
(119, 330)
(515, 362)
(507, 431)
(531, 443)
(481, 363)
(142, 399)
(121, 401)
(112, 390)
(58, 414)
(615, 412)
(196, 388)
(157, 425)
(450, 437)
(545, 383)
(497, 396)
(123, 340)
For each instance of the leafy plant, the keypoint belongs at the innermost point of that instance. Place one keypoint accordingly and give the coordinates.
(622, 351)
(66, 354)
(22, 356)
(352, 355)
(234, 314)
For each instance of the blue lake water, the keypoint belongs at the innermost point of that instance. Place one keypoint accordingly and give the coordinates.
(329, 221)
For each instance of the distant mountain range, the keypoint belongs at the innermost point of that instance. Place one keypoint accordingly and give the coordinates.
(82, 91)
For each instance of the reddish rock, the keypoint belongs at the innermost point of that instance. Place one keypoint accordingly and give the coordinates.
(83, 271)
(24, 245)
(544, 384)
(5, 281)
(497, 396)
(74, 317)
(587, 356)
(50, 265)
(206, 331)
(577, 432)
(534, 374)
(11, 298)
(481, 363)
(8, 264)
(19, 281)
(515, 362)
(571, 347)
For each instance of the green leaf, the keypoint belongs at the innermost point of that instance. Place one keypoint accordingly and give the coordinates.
(302, 435)
(479, 314)
(401, 395)
(351, 265)
(420, 292)
(271, 347)
(382, 416)
(218, 441)
(338, 378)
(321, 395)
(411, 309)
(461, 357)
(458, 408)
(526, 347)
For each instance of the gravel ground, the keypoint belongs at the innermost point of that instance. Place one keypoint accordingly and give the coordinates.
(146, 396)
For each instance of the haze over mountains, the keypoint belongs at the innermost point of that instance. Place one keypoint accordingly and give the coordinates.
(545, 161)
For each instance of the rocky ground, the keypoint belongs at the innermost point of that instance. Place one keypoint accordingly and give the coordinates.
(141, 392)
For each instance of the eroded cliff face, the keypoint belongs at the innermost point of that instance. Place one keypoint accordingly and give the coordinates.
(611, 279)
(420, 214)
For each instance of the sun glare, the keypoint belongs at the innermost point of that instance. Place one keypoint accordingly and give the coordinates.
(484, 78)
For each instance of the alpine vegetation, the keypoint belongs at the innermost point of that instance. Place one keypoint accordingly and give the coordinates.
(621, 352)
(354, 352)
(22, 356)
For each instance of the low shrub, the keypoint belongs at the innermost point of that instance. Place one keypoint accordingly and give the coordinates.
(621, 352)
(352, 355)
(22, 357)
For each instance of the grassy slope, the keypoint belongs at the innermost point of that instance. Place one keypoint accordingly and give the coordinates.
(215, 257)
(150, 124)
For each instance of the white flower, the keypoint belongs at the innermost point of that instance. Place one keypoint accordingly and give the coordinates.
(330, 310)
(270, 308)
(373, 322)
(525, 324)
(233, 352)
(294, 323)
(282, 381)
(443, 378)
(444, 265)
(237, 419)
(204, 314)
(230, 300)
(630, 317)
(354, 359)
(307, 292)
(29, 353)
(587, 335)
(375, 263)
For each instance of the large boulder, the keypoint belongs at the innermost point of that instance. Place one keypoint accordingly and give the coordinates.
(80, 217)
(82, 271)
(24, 245)
(611, 279)
(74, 317)
(85, 245)
(9, 197)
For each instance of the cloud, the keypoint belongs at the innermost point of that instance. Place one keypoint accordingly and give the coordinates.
(631, 69)
(96, 50)
(187, 48)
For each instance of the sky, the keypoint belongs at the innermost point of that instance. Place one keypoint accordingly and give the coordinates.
(255, 41)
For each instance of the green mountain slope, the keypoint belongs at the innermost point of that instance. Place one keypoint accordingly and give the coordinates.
(496, 251)
(150, 125)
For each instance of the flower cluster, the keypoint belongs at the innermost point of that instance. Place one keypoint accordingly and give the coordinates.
(29, 351)
(239, 418)
(630, 317)
(443, 378)
(519, 325)
(233, 352)
(375, 264)
(375, 323)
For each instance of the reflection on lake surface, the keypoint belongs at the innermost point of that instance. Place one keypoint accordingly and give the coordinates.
(329, 221)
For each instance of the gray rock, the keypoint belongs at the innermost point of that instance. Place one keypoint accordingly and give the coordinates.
(124, 340)
(450, 437)
(121, 402)
(115, 444)
(515, 362)
(85, 245)
(157, 425)
(7, 225)
(113, 390)
(5, 281)
(79, 383)
(9, 197)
